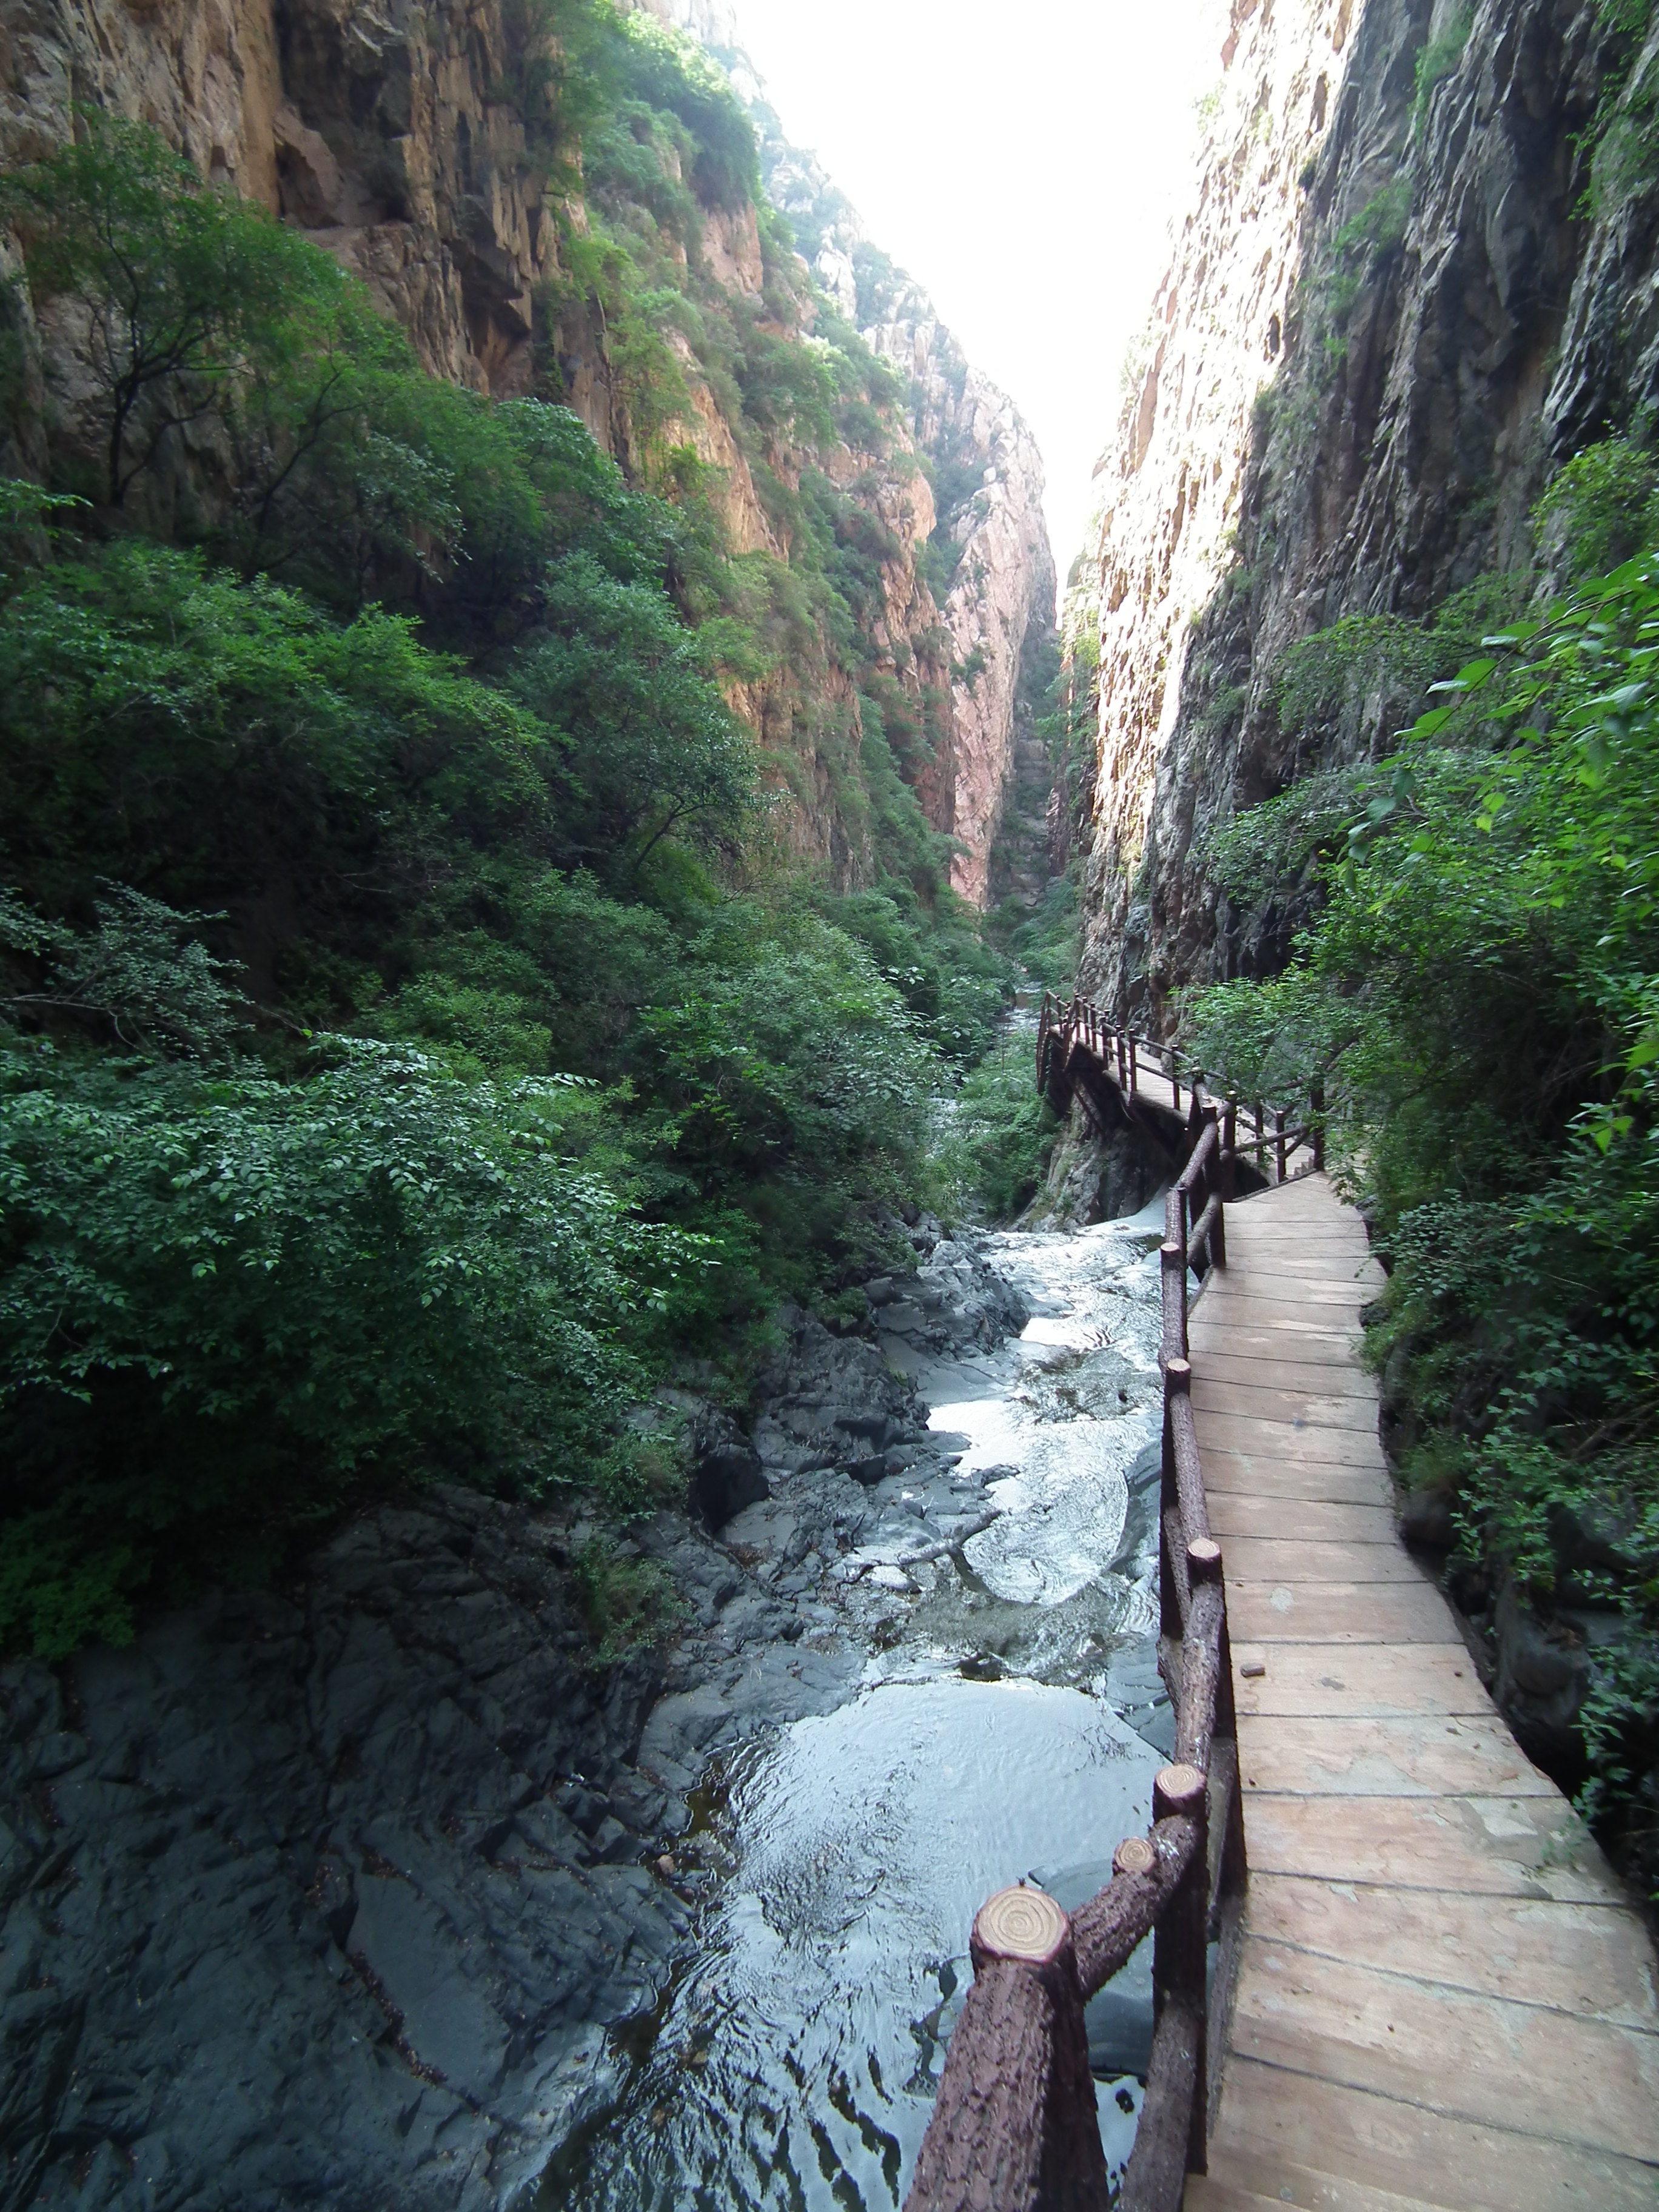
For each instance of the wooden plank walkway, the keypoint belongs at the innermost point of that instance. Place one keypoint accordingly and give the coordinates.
(1444, 1999)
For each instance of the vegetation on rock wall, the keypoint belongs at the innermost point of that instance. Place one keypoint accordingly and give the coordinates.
(414, 1035)
(1478, 990)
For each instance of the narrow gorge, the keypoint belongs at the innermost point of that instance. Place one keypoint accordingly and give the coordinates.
(580, 1442)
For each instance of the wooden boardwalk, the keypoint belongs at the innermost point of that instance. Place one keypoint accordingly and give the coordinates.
(1444, 1998)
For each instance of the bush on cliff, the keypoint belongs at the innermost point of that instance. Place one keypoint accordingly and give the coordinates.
(1482, 988)
(404, 712)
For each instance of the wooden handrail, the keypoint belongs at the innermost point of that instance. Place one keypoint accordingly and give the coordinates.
(1264, 1129)
(1014, 2126)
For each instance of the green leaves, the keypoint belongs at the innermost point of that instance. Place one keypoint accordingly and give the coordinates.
(654, 751)
(222, 1300)
(182, 282)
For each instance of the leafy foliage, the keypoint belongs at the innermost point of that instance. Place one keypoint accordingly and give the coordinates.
(994, 1137)
(179, 282)
(1482, 984)
(225, 1298)
(413, 1036)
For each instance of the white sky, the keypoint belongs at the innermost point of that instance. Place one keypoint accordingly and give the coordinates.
(1021, 161)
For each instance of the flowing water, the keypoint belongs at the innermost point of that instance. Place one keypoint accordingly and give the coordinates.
(1008, 1725)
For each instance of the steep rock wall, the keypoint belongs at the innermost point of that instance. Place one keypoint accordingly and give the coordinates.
(1004, 580)
(987, 520)
(384, 136)
(1454, 329)
(1173, 479)
(405, 141)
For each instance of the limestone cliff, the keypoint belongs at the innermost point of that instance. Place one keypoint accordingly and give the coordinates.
(1173, 480)
(421, 146)
(1388, 321)
(993, 572)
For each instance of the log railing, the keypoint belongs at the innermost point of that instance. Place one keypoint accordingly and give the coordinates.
(1266, 1135)
(1014, 2126)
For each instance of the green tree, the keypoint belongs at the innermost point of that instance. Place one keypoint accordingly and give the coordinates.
(652, 750)
(180, 282)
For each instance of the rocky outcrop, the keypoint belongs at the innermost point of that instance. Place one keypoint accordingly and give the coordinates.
(1373, 391)
(1003, 583)
(392, 139)
(365, 1891)
(355, 1850)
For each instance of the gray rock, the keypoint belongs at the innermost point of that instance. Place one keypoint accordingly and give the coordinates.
(1543, 1676)
(725, 1479)
(290, 1908)
(1425, 1518)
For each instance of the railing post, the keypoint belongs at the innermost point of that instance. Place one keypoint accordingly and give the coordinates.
(1179, 1946)
(1215, 1177)
(1132, 1067)
(1317, 1099)
(1229, 1153)
(1278, 1139)
(1261, 1137)
(1175, 1079)
(1016, 2083)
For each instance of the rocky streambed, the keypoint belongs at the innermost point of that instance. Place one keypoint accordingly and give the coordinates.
(379, 1891)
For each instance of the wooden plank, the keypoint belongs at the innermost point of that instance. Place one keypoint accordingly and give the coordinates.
(1578, 1959)
(1340, 1613)
(1281, 1368)
(1380, 1680)
(1303, 1345)
(1300, 1212)
(1226, 2188)
(1308, 1361)
(1449, 2051)
(1246, 1513)
(1328, 1306)
(1299, 1281)
(1269, 2115)
(1218, 1432)
(1311, 1409)
(1297, 1560)
(1490, 1847)
(1266, 1476)
(1422, 1755)
(1438, 1972)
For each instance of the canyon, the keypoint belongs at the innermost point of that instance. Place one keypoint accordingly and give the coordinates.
(415, 147)
(1390, 317)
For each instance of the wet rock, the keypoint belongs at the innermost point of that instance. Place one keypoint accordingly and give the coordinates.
(724, 1479)
(1594, 1538)
(956, 1302)
(1543, 1676)
(310, 1887)
(1425, 1518)
(1100, 1178)
(827, 1401)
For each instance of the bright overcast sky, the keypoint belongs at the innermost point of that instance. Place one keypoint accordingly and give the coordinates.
(1021, 163)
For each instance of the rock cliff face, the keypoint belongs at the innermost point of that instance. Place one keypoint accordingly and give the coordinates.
(1003, 583)
(1174, 476)
(1388, 324)
(386, 137)
(411, 141)
(994, 575)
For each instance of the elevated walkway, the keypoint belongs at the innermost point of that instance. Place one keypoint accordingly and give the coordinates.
(1444, 1998)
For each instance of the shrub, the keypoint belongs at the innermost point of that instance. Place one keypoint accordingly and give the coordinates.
(227, 1300)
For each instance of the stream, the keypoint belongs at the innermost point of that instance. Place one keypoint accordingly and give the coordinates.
(1008, 1723)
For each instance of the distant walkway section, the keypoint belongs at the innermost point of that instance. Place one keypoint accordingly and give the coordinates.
(1444, 1998)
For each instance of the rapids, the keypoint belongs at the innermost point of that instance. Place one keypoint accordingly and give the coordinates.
(1008, 1724)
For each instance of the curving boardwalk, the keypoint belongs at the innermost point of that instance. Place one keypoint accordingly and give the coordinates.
(1442, 1997)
